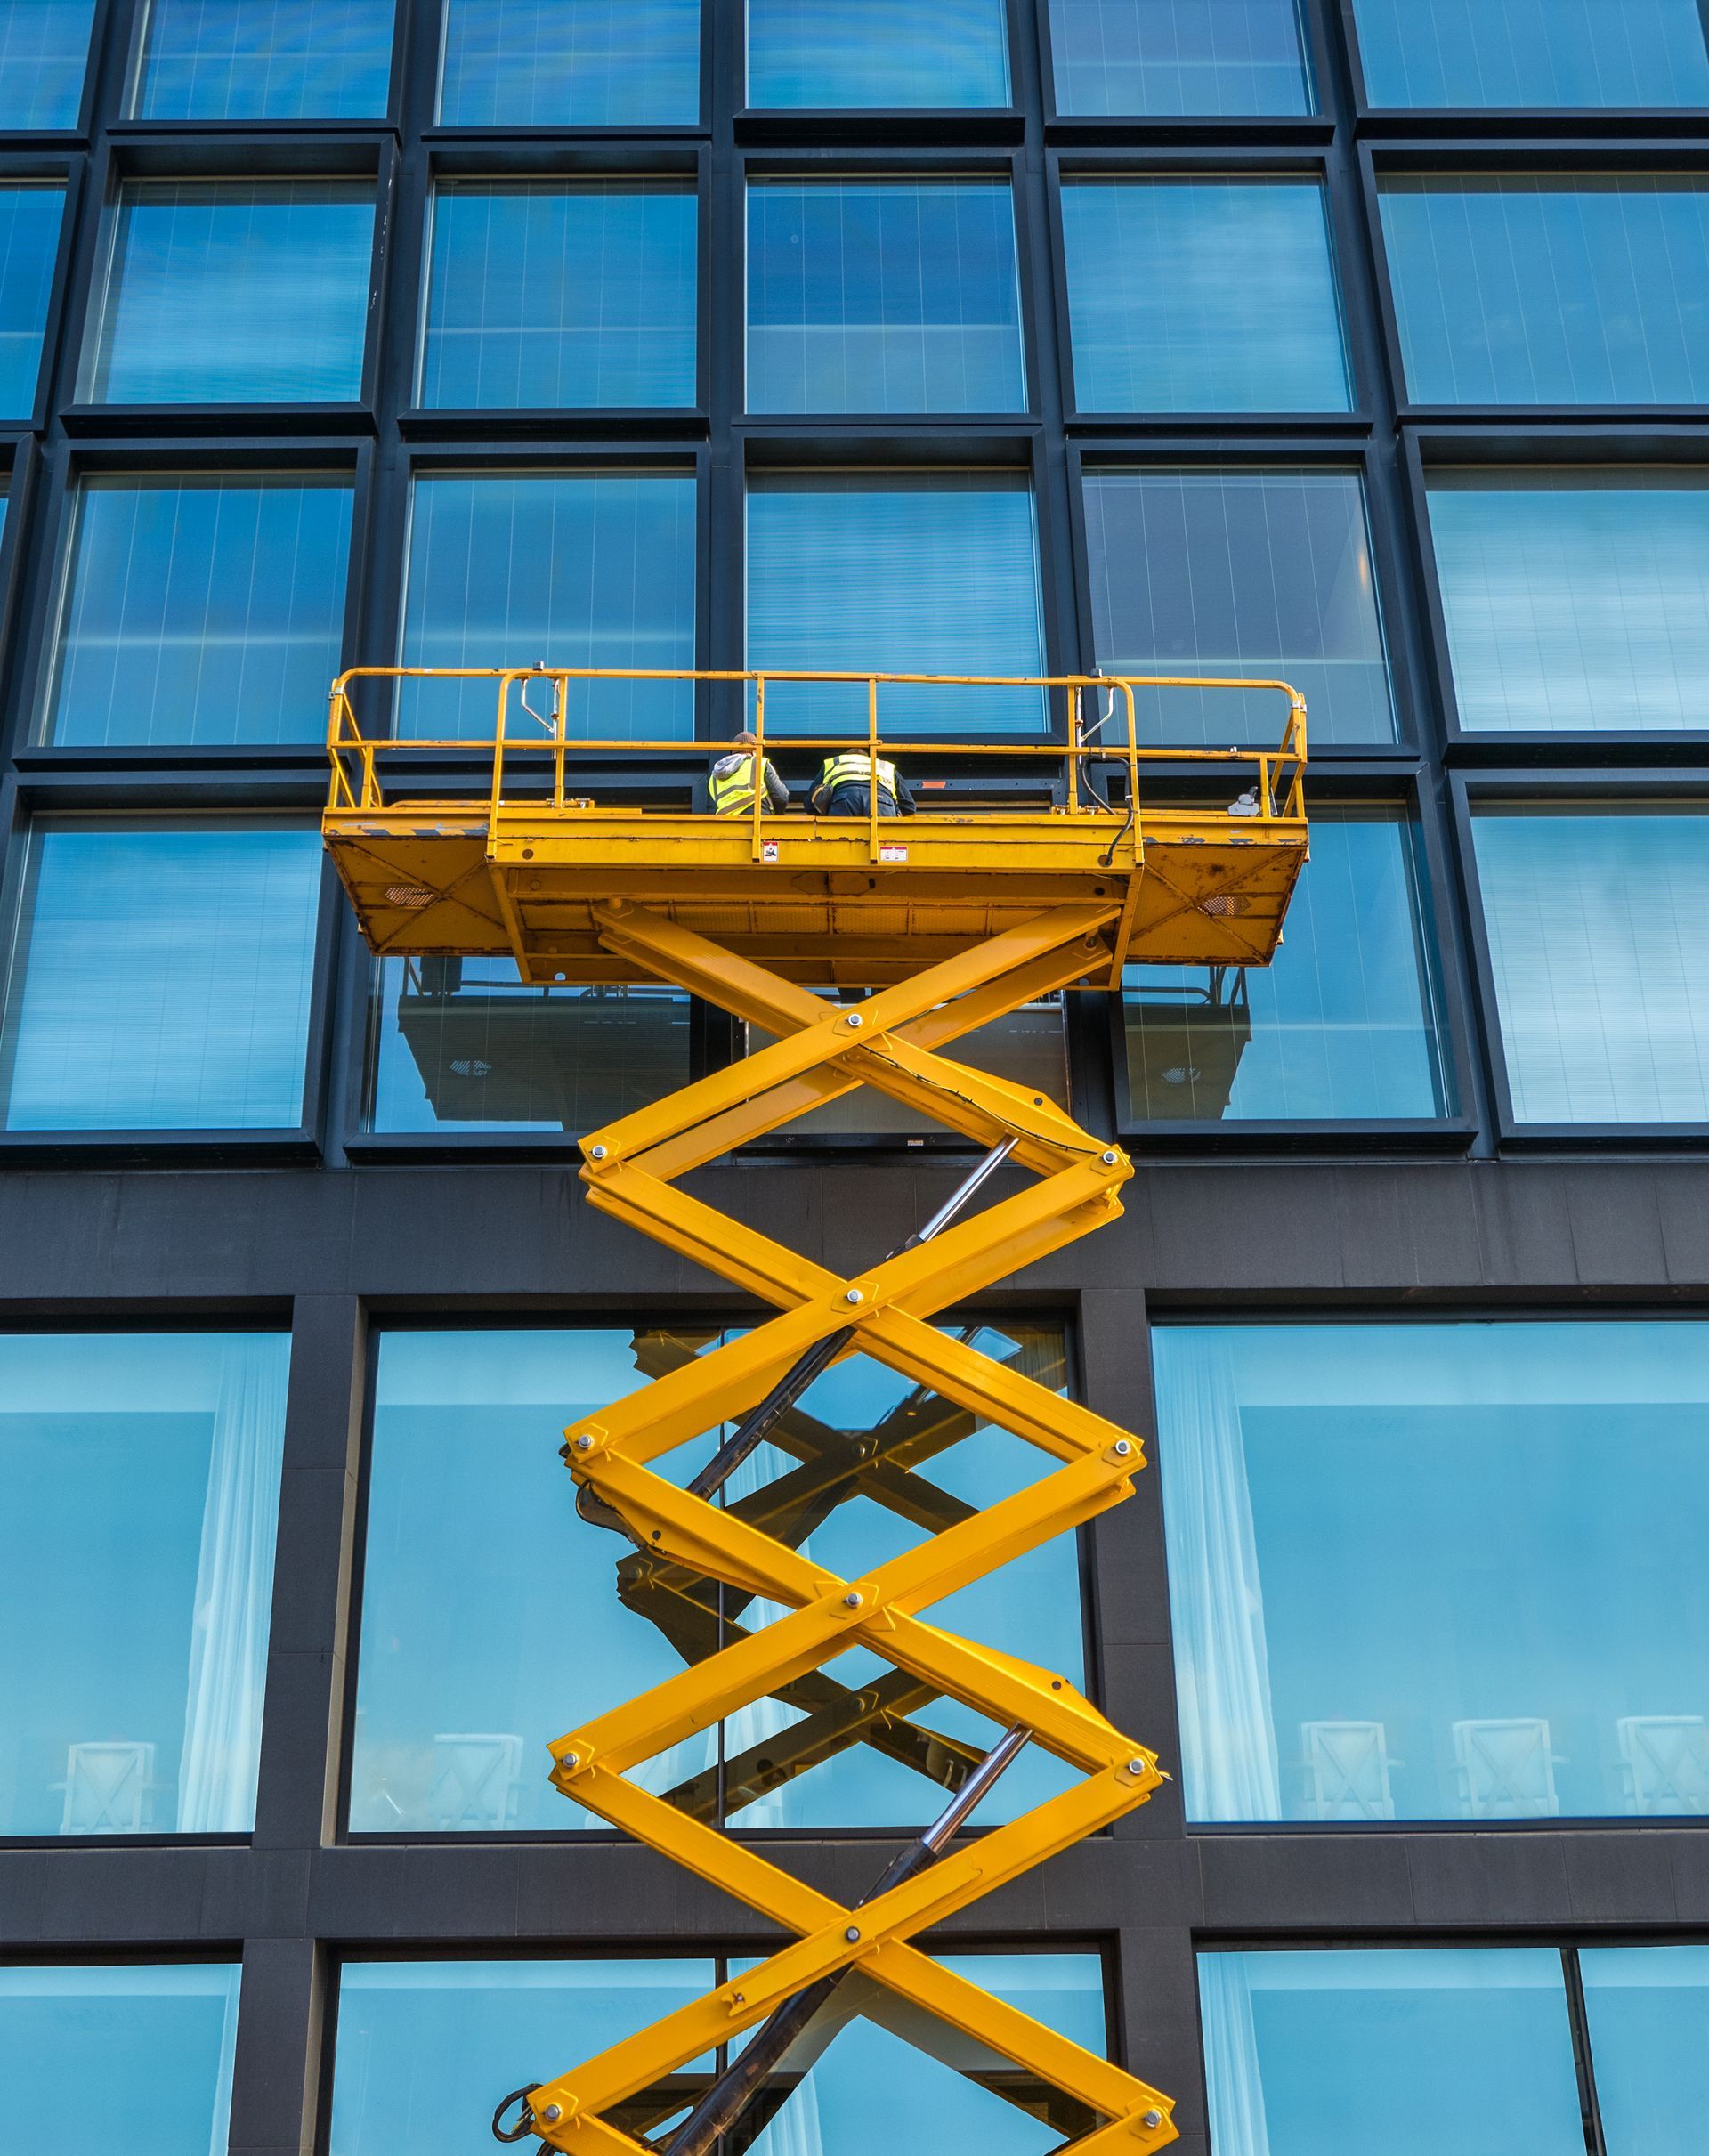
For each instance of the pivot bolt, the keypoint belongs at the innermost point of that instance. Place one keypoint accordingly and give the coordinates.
(597, 1153)
(851, 1601)
(1136, 1766)
(1151, 2118)
(552, 2113)
(584, 1443)
(1109, 1159)
(854, 1021)
(1122, 1448)
(853, 1295)
(852, 1934)
(572, 1759)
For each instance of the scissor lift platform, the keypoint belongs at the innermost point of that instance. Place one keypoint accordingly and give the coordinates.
(823, 902)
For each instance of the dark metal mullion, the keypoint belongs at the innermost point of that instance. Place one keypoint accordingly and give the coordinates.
(1584, 2065)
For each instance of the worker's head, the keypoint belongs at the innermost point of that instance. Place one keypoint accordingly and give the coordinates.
(745, 740)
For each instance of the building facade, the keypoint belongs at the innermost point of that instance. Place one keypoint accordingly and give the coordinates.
(1367, 346)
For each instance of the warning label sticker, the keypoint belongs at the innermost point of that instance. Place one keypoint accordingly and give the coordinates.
(893, 853)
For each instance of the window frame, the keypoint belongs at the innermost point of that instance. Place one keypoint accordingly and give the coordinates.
(203, 1321)
(1374, 786)
(1313, 59)
(1429, 448)
(514, 159)
(429, 86)
(135, 58)
(94, 797)
(1613, 120)
(263, 458)
(1302, 1311)
(69, 172)
(878, 446)
(1506, 159)
(366, 155)
(1572, 1985)
(1102, 1663)
(83, 121)
(929, 123)
(762, 169)
(1174, 449)
(1247, 164)
(711, 1037)
(1582, 789)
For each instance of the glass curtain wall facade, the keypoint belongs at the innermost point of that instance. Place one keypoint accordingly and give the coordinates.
(1360, 343)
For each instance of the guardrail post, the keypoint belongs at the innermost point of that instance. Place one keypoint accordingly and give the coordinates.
(871, 766)
(759, 761)
(499, 744)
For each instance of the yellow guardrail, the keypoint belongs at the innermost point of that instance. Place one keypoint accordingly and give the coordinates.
(358, 758)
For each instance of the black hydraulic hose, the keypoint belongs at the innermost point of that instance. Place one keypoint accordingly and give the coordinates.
(747, 2073)
(1107, 857)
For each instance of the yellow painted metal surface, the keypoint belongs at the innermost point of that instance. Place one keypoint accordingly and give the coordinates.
(983, 915)
(847, 903)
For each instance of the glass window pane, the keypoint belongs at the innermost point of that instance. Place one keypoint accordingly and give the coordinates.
(1340, 1025)
(1355, 1513)
(1594, 920)
(1247, 569)
(1220, 56)
(1341, 2054)
(459, 1690)
(134, 1706)
(29, 239)
(877, 53)
(1575, 601)
(460, 1044)
(164, 2034)
(43, 53)
(1032, 1607)
(588, 568)
(1550, 288)
(235, 291)
(206, 610)
(479, 1572)
(1203, 296)
(276, 60)
(1555, 53)
(896, 2079)
(1648, 2013)
(1028, 1046)
(425, 2048)
(543, 292)
(570, 63)
(883, 296)
(161, 978)
(902, 572)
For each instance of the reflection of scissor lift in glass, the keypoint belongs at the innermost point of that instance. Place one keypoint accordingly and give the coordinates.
(832, 1467)
(951, 919)
(1184, 1052)
(493, 1053)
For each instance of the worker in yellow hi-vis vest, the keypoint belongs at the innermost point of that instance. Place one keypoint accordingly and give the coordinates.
(736, 778)
(844, 788)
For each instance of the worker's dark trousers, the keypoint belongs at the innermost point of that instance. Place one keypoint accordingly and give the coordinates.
(851, 801)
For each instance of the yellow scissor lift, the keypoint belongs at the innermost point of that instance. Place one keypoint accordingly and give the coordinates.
(943, 922)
